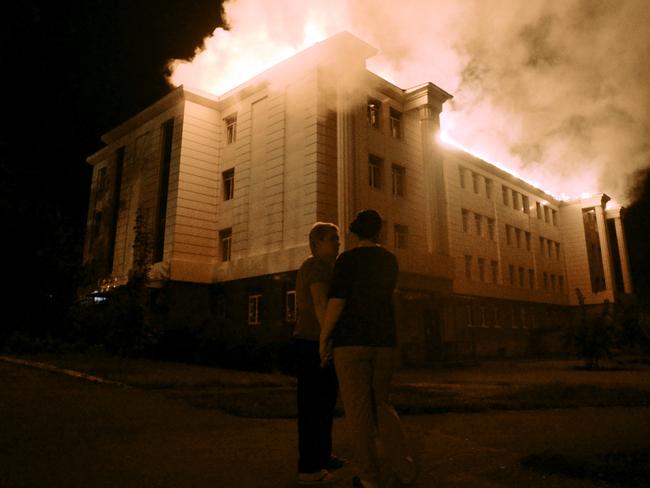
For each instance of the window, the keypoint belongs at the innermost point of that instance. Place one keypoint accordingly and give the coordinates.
(547, 214)
(478, 219)
(527, 241)
(549, 249)
(228, 178)
(515, 200)
(374, 171)
(518, 236)
(489, 187)
(481, 269)
(225, 244)
(560, 282)
(401, 234)
(398, 180)
(554, 217)
(522, 277)
(395, 123)
(468, 267)
(538, 207)
(511, 272)
(495, 271)
(557, 250)
(254, 309)
(553, 282)
(504, 194)
(490, 228)
(525, 204)
(545, 277)
(531, 278)
(465, 216)
(231, 128)
(508, 234)
(476, 182)
(97, 226)
(102, 181)
(291, 306)
(374, 113)
(542, 246)
(461, 176)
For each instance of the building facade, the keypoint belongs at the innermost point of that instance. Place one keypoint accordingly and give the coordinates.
(227, 188)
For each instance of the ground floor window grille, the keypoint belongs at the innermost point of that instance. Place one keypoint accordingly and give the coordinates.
(291, 306)
(254, 309)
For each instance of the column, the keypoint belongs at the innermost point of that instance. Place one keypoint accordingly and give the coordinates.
(436, 205)
(622, 252)
(604, 248)
(345, 159)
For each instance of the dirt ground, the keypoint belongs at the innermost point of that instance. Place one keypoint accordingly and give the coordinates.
(58, 431)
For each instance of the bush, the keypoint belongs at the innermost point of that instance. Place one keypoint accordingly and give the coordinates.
(119, 323)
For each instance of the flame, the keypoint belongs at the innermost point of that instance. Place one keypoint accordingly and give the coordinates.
(261, 34)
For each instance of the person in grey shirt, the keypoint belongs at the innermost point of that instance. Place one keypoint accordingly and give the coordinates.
(317, 386)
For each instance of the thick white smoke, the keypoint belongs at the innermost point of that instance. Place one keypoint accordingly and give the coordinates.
(556, 90)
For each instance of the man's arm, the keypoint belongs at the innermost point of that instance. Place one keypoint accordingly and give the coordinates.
(332, 314)
(319, 299)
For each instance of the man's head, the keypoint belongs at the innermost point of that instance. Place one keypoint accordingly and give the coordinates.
(324, 240)
(367, 225)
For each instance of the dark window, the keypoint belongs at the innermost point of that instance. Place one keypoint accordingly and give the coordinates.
(495, 271)
(468, 267)
(254, 309)
(225, 244)
(525, 204)
(399, 173)
(401, 236)
(504, 194)
(481, 269)
(115, 206)
(395, 124)
(374, 171)
(228, 178)
(489, 187)
(231, 128)
(476, 182)
(374, 113)
(163, 188)
(291, 306)
(465, 220)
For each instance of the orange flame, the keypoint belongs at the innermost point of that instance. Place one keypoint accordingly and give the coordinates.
(261, 36)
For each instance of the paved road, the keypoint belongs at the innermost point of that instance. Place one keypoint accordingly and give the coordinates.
(57, 431)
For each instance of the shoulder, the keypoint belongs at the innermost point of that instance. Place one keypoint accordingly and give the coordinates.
(307, 263)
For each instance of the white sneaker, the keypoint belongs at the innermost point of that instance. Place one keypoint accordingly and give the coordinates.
(318, 478)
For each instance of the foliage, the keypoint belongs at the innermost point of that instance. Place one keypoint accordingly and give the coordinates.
(594, 340)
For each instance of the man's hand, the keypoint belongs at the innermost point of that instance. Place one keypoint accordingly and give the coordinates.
(325, 351)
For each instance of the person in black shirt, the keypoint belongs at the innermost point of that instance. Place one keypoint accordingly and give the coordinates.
(359, 334)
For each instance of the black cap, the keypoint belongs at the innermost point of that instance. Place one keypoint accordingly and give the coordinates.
(367, 224)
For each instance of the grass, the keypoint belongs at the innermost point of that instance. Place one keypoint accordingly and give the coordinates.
(504, 385)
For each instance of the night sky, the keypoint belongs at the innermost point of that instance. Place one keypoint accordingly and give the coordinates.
(71, 71)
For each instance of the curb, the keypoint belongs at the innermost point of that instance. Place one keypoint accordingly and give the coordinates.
(68, 372)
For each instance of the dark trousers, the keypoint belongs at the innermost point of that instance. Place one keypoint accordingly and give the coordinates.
(316, 394)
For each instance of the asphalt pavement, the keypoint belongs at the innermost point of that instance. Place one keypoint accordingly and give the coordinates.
(61, 431)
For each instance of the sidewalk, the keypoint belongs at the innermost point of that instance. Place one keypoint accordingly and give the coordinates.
(491, 385)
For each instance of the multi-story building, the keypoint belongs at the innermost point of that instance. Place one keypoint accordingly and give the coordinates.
(228, 187)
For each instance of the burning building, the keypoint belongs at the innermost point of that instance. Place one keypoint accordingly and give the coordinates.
(227, 188)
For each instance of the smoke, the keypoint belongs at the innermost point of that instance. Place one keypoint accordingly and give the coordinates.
(556, 90)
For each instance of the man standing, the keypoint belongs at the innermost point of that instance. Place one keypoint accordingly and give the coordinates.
(317, 387)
